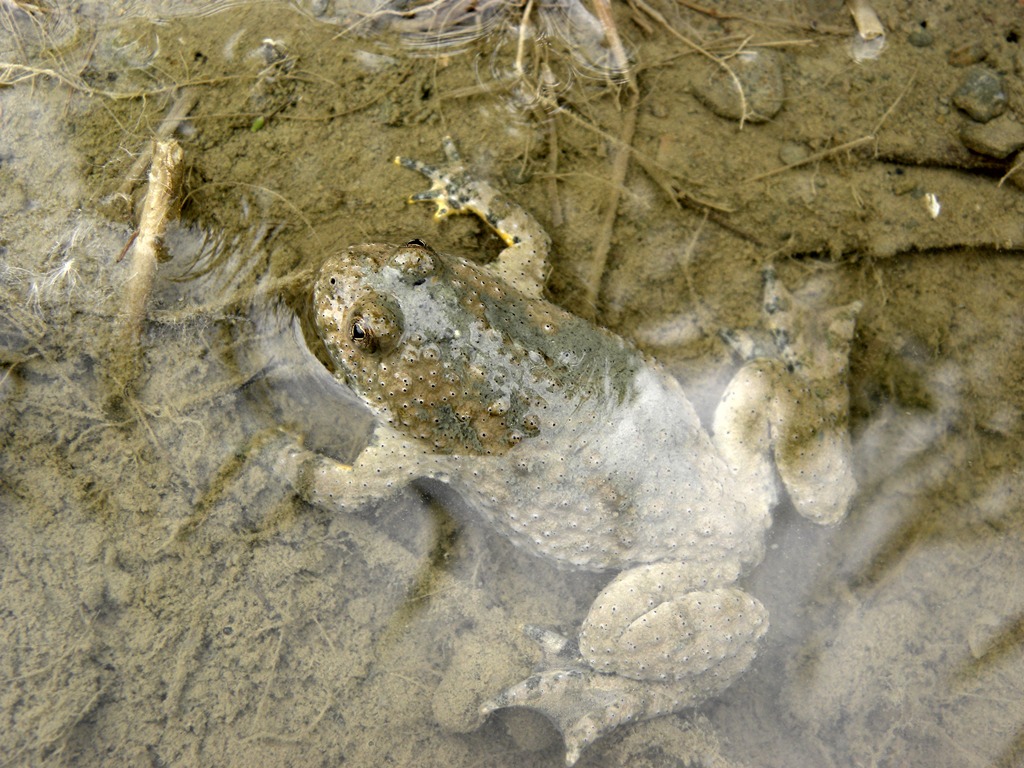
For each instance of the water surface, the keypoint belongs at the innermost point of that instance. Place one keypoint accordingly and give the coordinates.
(167, 599)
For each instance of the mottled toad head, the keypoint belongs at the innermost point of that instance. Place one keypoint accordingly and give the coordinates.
(412, 332)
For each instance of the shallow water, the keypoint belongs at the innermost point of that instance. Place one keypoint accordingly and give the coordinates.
(166, 598)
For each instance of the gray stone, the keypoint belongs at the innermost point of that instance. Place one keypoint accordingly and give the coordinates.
(758, 73)
(981, 94)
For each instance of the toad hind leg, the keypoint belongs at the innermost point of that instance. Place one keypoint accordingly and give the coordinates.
(659, 638)
(454, 189)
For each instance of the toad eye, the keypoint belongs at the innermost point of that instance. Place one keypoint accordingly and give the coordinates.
(374, 327)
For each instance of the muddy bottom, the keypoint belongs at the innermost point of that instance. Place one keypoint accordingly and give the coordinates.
(166, 596)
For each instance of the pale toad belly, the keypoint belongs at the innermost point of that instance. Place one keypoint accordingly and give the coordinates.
(622, 483)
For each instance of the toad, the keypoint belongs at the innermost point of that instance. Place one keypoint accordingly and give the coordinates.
(581, 450)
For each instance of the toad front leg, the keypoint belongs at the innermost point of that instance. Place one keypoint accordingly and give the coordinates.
(453, 189)
(385, 468)
(659, 638)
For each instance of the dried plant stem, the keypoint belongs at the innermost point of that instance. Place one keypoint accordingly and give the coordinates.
(521, 40)
(162, 202)
(1016, 167)
(718, 60)
(866, 20)
(175, 117)
(160, 207)
(617, 180)
(556, 215)
(604, 14)
(812, 158)
(12, 73)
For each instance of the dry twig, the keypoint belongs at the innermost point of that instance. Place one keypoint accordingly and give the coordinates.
(162, 203)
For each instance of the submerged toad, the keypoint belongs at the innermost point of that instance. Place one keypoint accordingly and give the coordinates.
(580, 450)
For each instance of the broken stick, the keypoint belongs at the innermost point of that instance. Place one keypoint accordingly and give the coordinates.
(162, 204)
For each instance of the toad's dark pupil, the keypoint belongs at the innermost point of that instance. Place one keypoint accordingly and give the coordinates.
(358, 334)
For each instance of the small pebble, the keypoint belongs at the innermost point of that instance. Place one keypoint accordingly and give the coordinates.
(981, 94)
(968, 54)
(920, 38)
(272, 51)
(997, 138)
(759, 73)
(793, 152)
(530, 731)
(905, 184)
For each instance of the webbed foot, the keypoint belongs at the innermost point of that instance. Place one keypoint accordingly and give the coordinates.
(660, 645)
(454, 189)
(583, 704)
(787, 409)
